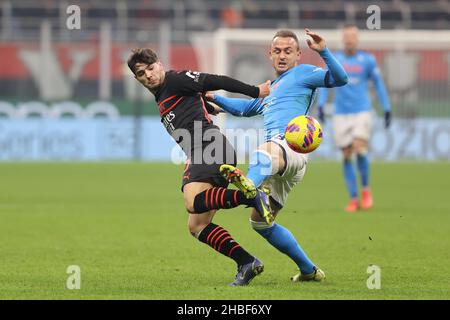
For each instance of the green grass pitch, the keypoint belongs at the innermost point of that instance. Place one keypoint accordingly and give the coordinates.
(125, 226)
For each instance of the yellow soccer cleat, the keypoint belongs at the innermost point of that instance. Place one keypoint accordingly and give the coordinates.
(237, 178)
(318, 275)
(259, 195)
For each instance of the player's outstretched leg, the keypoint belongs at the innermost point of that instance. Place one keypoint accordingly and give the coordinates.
(282, 239)
(221, 198)
(260, 200)
(220, 240)
(201, 227)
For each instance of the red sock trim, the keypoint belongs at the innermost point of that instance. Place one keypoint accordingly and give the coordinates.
(217, 239)
(212, 196)
(221, 198)
(206, 198)
(217, 196)
(221, 242)
(212, 232)
(232, 249)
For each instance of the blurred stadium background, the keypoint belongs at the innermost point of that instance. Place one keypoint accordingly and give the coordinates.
(68, 95)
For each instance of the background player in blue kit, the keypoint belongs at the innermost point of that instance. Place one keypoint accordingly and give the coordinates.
(352, 119)
(274, 163)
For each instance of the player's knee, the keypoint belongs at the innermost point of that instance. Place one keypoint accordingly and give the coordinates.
(195, 227)
(256, 225)
(360, 147)
(189, 205)
(257, 222)
(270, 157)
(347, 153)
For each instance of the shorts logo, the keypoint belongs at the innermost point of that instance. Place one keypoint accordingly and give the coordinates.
(279, 137)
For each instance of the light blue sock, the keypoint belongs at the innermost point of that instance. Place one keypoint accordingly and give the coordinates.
(260, 167)
(350, 178)
(364, 168)
(282, 239)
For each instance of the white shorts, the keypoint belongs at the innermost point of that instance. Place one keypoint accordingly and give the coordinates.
(348, 127)
(281, 185)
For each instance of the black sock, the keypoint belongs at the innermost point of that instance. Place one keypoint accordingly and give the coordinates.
(219, 198)
(220, 240)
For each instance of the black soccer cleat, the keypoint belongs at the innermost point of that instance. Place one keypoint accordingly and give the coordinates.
(247, 272)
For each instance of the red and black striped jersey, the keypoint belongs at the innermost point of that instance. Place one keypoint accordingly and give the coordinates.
(180, 101)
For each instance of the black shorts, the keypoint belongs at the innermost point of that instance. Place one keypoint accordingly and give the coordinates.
(205, 170)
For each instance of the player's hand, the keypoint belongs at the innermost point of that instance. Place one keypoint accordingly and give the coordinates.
(209, 96)
(321, 115)
(264, 89)
(211, 107)
(387, 119)
(316, 43)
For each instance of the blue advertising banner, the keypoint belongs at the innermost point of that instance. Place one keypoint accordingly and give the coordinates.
(125, 138)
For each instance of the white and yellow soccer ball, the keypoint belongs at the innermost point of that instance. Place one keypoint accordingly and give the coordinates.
(303, 134)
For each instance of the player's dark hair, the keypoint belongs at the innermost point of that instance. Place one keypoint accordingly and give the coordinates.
(141, 55)
(287, 34)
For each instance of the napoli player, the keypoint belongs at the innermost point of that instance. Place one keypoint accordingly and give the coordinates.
(352, 119)
(274, 163)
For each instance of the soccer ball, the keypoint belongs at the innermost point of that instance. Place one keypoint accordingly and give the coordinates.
(303, 134)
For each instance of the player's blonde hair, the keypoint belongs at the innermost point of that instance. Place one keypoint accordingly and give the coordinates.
(284, 33)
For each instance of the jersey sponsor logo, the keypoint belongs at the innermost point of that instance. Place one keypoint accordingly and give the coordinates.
(167, 121)
(353, 68)
(195, 75)
(170, 116)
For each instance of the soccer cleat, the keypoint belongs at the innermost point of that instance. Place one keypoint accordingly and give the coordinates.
(352, 206)
(262, 206)
(247, 272)
(237, 177)
(366, 199)
(318, 275)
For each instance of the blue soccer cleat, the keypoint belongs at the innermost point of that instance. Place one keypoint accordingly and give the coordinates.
(247, 272)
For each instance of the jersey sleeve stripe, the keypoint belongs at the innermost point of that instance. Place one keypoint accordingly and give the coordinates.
(206, 111)
(169, 108)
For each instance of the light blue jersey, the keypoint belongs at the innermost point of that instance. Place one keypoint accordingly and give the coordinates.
(291, 95)
(354, 97)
